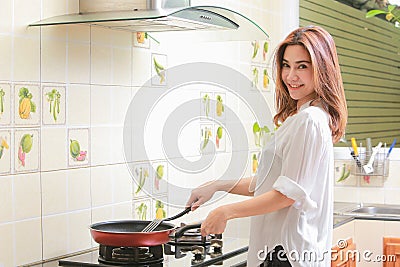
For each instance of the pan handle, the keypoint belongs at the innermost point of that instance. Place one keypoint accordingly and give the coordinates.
(182, 230)
(178, 215)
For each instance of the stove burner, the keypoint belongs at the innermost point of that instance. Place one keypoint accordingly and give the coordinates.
(130, 255)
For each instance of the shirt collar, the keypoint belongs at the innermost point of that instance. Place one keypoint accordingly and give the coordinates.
(305, 105)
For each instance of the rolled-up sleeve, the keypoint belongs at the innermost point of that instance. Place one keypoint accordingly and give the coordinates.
(301, 157)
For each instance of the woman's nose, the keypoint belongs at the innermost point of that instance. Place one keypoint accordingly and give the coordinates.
(292, 76)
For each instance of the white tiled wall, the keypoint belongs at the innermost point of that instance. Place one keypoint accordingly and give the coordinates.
(100, 71)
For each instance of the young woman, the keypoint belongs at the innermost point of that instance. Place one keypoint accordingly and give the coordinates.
(292, 201)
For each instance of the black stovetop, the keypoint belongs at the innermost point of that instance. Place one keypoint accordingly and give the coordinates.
(234, 253)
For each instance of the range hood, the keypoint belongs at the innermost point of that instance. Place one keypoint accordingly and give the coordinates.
(158, 16)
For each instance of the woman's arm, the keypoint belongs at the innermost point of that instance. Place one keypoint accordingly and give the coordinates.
(270, 201)
(204, 192)
(240, 187)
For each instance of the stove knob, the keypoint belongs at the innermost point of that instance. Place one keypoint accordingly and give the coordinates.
(216, 245)
(198, 254)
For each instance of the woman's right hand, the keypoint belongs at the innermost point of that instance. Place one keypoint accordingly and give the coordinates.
(202, 194)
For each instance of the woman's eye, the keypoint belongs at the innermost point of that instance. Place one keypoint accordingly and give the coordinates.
(285, 65)
(302, 66)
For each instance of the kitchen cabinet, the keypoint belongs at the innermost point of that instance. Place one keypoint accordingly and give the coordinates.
(342, 244)
(391, 251)
(343, 255)
(368, 234)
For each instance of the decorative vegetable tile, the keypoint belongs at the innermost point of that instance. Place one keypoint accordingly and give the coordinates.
(5, 104)
(262, 134)
(158, 69)
(53, 104)
(26, 150)
(265, 79)
(220, 138)
(260, 51)
(160, 177)
(160, 208)
(5, 152)
(206, 138)
(78, 147)
(142, 209)
(255, 160)
(142, 173)
(141, 39)
(220, 103)
(255, 51)
(26, 104)
(255, 77)
(206, 112)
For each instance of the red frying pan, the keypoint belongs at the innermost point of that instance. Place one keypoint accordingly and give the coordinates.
(127, 233)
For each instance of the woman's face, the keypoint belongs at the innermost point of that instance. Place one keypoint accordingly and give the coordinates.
(297, 74)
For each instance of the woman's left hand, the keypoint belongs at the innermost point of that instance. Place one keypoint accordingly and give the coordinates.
(215, 223)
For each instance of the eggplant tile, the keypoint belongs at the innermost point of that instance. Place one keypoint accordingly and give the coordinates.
(78, 104)
(54, 192)
(27, 195)
(27, 150)
(26, 55)
(28, 241)
(53, 61)
(55, 228)
(78, 147)
(27, 104)
(79, 237)
(53, 148)
(79, 191)
(5, 151)
(6, 199)
(54, 105)
(7, 243)
(6, 56)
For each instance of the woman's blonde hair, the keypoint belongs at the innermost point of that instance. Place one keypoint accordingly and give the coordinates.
(328, 82)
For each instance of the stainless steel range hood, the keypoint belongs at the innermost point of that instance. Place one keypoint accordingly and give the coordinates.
(157, 16)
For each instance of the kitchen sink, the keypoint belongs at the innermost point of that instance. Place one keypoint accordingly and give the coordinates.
(374, 210)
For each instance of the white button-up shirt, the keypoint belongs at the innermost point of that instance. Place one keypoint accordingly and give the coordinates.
(298, 162)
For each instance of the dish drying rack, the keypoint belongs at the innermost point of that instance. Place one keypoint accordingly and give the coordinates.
(380, 168)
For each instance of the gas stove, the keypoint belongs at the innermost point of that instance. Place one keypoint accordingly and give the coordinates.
(186, 248)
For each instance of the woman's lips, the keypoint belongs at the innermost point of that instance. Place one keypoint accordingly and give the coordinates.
(294, 86)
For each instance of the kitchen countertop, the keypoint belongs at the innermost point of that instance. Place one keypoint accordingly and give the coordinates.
(343, 213)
